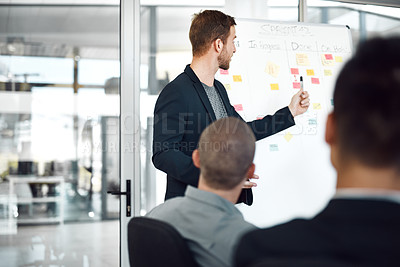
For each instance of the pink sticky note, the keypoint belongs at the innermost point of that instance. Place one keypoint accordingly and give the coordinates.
(238, 107)
(296, 85)
(260, 117)
(225, 72)
(294, 71)
(314, 80)
(328, 57)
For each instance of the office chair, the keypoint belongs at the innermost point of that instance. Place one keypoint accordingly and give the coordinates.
(153, 243)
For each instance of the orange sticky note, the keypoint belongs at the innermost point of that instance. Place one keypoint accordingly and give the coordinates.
(274, 86)
(310, 72)
(238, 107)
(302, 60)
(237, 78)
(314, 80)
(224, 72)
(338, 59)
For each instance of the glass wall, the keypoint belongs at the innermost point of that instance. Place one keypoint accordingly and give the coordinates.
(59, 108)
(365, 21)
(59, 140)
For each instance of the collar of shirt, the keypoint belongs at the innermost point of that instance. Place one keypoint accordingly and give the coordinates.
(211, 199)
(368, 193)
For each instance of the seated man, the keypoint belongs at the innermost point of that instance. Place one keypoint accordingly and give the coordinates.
(207, 217)
(361, 224)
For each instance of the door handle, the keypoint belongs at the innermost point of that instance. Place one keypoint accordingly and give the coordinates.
(127, 194)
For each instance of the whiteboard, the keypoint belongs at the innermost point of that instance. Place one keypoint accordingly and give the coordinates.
(296, 176)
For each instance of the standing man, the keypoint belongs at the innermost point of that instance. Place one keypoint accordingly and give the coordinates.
(195, 99)
(361, 224)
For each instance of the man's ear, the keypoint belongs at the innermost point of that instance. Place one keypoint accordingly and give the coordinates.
(218, 45)
(251, 170)
(330, 130)
(196, 158)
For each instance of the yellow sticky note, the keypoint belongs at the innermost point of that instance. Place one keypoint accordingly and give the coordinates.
(328, 72)
(338, 59)
(316, 105)
(237, 78)
(302, 60)
(272, 69)
(227, 87)
(288, 136)
(310, 72)
(274, 86)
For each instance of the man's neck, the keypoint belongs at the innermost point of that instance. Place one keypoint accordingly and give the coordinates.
(230, 195)
(205, 68)
(361, 176)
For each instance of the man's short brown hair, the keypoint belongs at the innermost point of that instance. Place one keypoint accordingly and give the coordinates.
(208, 26)
(226, 150)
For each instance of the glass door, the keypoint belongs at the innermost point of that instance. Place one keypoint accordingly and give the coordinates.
(60, 110)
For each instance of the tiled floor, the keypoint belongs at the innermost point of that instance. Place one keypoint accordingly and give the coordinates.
(93, 244)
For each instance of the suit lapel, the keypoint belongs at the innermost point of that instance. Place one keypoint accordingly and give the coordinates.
(201, 92)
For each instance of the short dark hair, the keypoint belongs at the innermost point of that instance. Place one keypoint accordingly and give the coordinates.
(226, 150)
(208, 26)
(367, 104)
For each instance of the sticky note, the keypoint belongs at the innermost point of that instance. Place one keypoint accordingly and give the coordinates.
(327, 62)
(312, 121)
(227, 87)
(237, 78)
(238, 107)
(274, 86)
(260, 117)
(273, 147)
(315, 80)
(327, 72)
(338, 59)
(302, 60)
(328, 57)
(294, 71)
(316, 106)
(296, 85)
(310, 72)
(223, 72)
(272, 69)
(288, 136)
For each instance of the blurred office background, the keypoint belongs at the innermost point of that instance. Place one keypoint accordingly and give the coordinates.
(59, 109)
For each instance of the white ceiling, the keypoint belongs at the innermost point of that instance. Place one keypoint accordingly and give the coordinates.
(54, 30)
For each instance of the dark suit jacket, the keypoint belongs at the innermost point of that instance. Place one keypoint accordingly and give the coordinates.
(358, 232)
(181, 113)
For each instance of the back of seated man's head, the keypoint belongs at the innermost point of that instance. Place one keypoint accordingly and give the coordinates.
(367, 105)
(226, 149)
